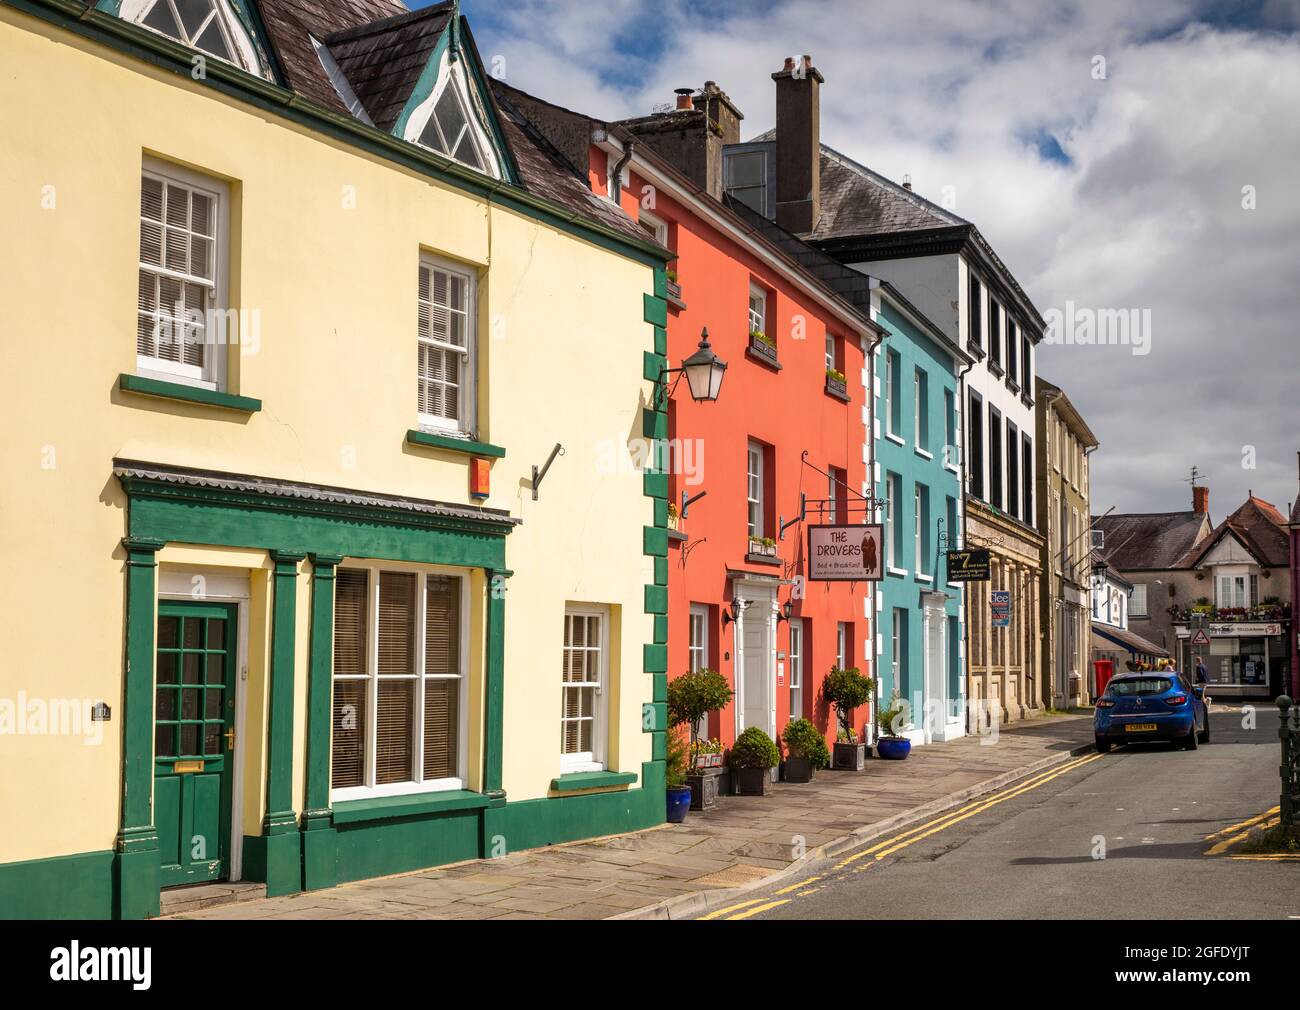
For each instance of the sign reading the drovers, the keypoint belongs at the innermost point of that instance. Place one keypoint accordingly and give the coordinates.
(845, 553)
(969, 566)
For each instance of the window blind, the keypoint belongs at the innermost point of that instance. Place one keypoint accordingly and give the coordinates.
(350, 682)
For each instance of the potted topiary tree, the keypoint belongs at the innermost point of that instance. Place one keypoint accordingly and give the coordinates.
(847, 690)
(691, 697)
(891, 723)
(806, 751)
(679, 791)
(753, 757)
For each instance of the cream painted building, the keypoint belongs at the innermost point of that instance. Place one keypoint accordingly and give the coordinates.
(285, 346)
(1065, 447)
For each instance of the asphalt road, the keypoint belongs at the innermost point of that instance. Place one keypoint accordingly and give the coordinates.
(1029, 851)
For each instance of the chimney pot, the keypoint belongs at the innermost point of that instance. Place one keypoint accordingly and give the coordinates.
(907, 183)
(684, 102)
(1201, 500)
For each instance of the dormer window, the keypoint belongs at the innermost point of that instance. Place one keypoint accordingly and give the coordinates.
(210, 26)
(452, 121)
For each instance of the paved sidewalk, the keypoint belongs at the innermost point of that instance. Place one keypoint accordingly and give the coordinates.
(683, 869)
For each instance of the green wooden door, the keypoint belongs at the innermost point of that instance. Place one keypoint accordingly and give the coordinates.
(194, 739)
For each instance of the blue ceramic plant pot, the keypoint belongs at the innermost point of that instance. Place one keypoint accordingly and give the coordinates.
(679, 804)
(893, 749)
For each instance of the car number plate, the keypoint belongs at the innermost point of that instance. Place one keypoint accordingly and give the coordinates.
(1140, 727)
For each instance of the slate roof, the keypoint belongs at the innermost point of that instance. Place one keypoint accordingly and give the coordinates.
(571, 131)
(383, 60)
(1257, 524)
(1151, 541)
(859, 205)
(857, 201)
(381, 47)
(290, 24)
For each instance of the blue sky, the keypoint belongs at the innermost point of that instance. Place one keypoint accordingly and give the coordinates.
(1124, 190)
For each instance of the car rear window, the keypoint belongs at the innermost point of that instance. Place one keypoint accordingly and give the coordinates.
(1138, 686)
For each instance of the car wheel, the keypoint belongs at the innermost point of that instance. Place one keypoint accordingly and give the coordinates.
(1191, 742)
(1103, 745)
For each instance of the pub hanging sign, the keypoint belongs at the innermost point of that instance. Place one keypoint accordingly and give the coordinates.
(970, 566)
(845, 553)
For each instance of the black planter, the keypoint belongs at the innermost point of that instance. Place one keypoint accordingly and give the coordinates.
(851, 757)
(705, 788)
(753, 781)
(797, 769)
(837, 388)
(763, 349)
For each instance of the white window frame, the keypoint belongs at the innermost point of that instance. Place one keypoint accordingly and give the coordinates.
(241, 46)
(697, 652)
(896, 644)
(593, 760)
(417, 785)
(841, 645)
(794, 660)
(658, 226)
(916, 409)
(465, 425)
(754, 478)
(831, 365)
(758, 316)
(451, 74)
(916, 527)
(216, 335)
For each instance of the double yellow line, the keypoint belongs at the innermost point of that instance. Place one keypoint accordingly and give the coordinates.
(942, 823)
(1240, 832)
(756, 906)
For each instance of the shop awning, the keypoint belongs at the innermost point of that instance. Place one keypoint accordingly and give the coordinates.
(1105, 639)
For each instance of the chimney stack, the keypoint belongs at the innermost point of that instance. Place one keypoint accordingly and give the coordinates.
(798, 145)
(1201, 500)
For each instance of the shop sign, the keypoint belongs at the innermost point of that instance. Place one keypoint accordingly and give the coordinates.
(1231, 630)
(845, 553)
(1001, 603)
(970, 566)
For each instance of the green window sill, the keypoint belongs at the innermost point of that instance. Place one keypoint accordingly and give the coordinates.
(389, 808)
(584, 781)
(460, 445)
(161, 389)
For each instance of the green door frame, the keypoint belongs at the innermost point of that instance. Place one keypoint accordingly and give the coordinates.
(228, 612)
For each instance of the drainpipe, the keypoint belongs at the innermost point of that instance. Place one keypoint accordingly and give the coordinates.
(962, 481)
(873, 345)
(616, 186)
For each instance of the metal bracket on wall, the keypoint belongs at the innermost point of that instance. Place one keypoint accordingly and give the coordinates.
(687, 502)
(540, 475)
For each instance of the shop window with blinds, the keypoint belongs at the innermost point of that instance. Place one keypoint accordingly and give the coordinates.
(446, 348)
(585, 670)
(398, 682)
(181, 296)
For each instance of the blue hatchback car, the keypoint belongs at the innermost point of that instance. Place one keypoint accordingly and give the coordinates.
(1160, 705)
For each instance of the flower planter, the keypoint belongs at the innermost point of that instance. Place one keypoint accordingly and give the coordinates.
(850, 757)
(679, 804)
(894, 748)
(753, 781)
(703, 761)
(705, 788)
(675, 290)
(763, 349)
(761, 550)
(837, 387)
(797, 769)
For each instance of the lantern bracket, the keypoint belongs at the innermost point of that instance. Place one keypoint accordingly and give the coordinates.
(540, 475)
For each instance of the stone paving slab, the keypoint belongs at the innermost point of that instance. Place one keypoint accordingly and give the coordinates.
(649, 873)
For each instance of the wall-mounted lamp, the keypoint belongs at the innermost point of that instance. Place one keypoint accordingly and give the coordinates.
(704, 373)
(733, 615)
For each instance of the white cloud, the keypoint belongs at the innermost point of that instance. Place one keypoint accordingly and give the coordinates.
(1147, 214)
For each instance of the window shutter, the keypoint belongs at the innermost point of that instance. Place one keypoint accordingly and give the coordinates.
(350, 623)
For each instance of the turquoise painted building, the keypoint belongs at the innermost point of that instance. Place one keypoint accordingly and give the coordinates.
(918, 474)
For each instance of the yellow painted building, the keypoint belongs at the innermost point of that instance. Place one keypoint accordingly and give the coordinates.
(286, 345)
